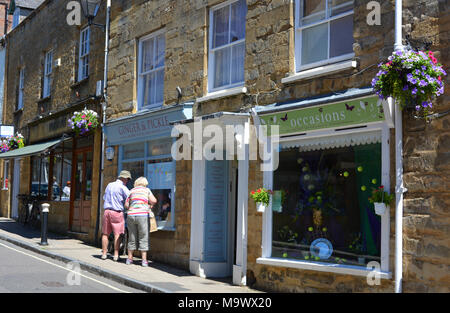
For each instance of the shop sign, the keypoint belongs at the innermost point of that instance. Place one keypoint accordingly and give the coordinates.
(142, 127)
(345, 113)
(50, 128)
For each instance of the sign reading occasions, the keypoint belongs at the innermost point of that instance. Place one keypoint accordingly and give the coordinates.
(346, 113)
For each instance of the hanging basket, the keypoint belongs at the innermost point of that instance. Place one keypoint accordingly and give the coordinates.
(260, 207)
(82, 123)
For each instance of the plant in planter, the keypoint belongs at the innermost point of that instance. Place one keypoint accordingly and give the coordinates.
(412, 78)
(261, 197)
(83, 122)
(16, 142)
(381, 199)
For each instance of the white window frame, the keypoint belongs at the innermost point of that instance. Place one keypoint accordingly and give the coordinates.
(298, 37)
(140, 88)
(83, 57)
(211, 50)
(162, 225)
(266, 256)
(48, 68)
(21, 88)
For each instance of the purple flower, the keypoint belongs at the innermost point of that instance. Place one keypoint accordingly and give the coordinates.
(413, 81)
(424, 68)
(399, 52)
(409, 77)
(414, 91)
(405, 87)
(417, 107)
(423, 83)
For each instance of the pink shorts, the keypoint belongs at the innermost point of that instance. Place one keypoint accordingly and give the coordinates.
(113, 221)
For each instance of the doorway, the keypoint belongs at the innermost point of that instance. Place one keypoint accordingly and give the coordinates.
(81, 195)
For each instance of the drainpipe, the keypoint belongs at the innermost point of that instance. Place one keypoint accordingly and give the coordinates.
(399, 189)
(105, 97)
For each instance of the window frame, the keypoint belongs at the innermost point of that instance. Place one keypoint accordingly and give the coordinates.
(140, 75)
(299, 32)
(268, 177)
(20, 99)
(48, 70)
(83, 54)
(146, 158)
(16, 17)
(211, 50)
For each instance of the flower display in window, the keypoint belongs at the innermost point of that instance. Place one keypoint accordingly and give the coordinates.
(83, 122)
(411, 77)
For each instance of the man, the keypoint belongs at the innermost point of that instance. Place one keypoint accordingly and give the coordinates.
(115, 196)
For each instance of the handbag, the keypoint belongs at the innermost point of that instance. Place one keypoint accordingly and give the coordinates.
(153, 224)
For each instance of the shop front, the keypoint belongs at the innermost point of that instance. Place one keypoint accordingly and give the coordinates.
(332, 153)
(61, 169)
(142, 145)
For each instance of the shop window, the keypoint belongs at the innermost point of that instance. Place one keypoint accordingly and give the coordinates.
(227, 45)
(40, 176)
(320, 207)
(151, 71)
(153, 160)
(324, 32)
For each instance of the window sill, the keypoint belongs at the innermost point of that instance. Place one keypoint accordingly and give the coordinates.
(320, 71)
(222, 94)
(44, 99)
(79, 83)
(323, 267)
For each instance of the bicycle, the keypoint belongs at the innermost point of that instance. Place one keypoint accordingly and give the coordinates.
(25, 209)
(30, 211)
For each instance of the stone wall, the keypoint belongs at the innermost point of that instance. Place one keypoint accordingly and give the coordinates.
(427, 165)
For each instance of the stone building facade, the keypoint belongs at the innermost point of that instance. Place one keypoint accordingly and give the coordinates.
(269, 77)
(44, 88)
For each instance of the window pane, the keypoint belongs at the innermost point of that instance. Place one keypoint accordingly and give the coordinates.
(144, 87)
(238, 14)
(315, 44)
(220, 27)
(160, 51)
(159, 89)
(88, 186)
(136, 170)
(159, 147)
(66, 176)
(57, 183)
(312, 11)
(147, 53)
(341, 36)
(237, 66)
(133, 151)
(222, 67)
(161, 176)
(322, 212)
(340, 6)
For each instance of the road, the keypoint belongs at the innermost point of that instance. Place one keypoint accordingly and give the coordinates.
(23, 271)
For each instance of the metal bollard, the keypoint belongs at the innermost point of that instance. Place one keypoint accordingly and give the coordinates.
(44, 223)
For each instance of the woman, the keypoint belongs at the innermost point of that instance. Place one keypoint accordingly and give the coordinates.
(138, 206)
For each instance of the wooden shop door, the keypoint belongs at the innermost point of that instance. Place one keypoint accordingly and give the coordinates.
(81, 196)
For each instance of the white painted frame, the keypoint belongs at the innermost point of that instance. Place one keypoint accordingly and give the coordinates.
(83, 56)
(266, 245)
(211, 50)
(48, 68)
(298, 37)
(141, 89)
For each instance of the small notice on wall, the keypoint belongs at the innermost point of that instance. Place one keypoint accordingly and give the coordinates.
(276, 201)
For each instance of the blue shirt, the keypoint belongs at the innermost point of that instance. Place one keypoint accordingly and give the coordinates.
(115, 195)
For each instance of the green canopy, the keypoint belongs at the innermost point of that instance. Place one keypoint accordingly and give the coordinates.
(12, 7)
(29, 150)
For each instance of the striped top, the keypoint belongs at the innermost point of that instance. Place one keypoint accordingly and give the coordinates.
(137, 203)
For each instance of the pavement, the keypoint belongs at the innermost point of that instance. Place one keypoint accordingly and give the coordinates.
(157, 278)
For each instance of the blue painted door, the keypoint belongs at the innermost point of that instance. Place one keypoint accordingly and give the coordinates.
(216, 211)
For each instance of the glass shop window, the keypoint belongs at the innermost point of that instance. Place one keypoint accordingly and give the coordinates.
(40, 176)
(320, 205)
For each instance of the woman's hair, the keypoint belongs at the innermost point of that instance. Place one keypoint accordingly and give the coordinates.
(141, 181)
